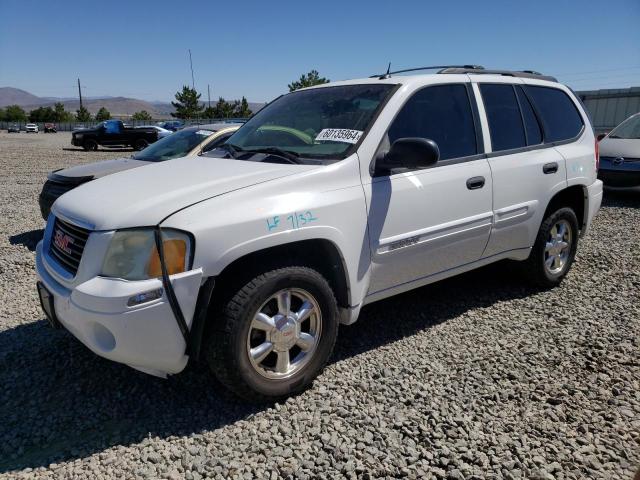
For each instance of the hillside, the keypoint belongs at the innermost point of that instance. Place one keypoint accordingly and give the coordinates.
(118, 106)
(15, 96)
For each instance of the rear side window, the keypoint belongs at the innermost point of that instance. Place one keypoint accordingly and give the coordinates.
(559, 115)
(503, 114)
(531, 125)
(441, 113)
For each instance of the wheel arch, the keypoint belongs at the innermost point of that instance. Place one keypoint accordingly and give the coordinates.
(576, 197)
(320, 254)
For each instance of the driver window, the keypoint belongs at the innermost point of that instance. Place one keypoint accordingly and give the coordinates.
(441, 113)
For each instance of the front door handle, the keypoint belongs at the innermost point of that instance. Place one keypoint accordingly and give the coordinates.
(475, 182)
(550, 167)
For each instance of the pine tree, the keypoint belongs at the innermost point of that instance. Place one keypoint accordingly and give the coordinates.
(141, 115)
(187, 104)
(243, 110)
(308, 80)
(103, 114)
(83, 115)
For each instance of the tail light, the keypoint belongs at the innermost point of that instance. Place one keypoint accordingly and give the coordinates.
(597, 155)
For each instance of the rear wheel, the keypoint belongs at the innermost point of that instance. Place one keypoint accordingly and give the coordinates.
(275, 334)
(90, 144)
(140, 144)
(554, 250)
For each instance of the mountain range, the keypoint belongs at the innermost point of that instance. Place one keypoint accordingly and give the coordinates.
(117, 106)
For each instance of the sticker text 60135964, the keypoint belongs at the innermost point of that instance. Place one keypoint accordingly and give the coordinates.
(292, 221)
(339, 135)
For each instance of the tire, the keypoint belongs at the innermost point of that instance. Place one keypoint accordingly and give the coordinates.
(90, 144)
(234, 336)
(547, 265)
(140, 144)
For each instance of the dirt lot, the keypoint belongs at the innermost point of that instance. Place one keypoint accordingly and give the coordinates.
(475, 377)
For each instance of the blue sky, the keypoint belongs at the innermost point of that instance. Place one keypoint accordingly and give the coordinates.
(139, 48)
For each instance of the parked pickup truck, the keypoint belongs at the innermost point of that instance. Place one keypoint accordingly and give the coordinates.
(330, 198)
(113, 133)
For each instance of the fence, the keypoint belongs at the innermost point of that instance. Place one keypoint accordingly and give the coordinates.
(609, 108)
(69, 126)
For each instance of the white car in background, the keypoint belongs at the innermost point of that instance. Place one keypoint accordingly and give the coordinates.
(31, 128)
(188, 141)
(328, 199)
(162, 132)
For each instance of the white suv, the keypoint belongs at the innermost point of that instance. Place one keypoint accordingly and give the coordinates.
(330, 198)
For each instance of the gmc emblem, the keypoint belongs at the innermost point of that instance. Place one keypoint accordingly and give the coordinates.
(63, 241)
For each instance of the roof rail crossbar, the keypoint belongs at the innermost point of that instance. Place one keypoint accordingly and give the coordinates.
(382, 76)
(507, 73)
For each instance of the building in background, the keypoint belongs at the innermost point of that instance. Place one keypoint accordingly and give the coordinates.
(609, 107)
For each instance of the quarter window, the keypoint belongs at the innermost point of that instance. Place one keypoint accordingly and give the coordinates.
(531, 125)
(503, 114)
(559, 115)
(441, 113)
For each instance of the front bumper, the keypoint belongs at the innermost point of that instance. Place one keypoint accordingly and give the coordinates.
(623, 174)
(145, 337)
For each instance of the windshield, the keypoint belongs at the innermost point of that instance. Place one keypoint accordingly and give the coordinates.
(175, 145)
(629, 129)
(318, 123)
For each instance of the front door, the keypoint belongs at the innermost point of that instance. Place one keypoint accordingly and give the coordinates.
(426, 221)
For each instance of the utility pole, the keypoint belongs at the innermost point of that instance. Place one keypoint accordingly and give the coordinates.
(80, 94)
(193, 82)
(209, 95)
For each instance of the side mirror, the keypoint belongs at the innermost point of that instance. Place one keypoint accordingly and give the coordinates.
(409, 153)
(601, 136)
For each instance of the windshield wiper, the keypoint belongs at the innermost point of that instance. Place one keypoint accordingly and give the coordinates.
(232, 149)
(293, 157)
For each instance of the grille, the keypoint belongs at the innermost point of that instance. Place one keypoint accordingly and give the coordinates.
(67, 244)
(626, 159)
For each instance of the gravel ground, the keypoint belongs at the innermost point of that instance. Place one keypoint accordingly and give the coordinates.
(475, 377)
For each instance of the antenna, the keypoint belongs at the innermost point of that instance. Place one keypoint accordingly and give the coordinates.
(386, 75)
(193, 83)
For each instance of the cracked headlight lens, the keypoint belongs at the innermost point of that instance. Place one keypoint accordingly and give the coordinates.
(132, 254)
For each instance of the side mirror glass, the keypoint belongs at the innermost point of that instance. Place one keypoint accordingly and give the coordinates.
(409, 153)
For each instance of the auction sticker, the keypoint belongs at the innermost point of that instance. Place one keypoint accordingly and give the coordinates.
(205, 133)
(339, 135)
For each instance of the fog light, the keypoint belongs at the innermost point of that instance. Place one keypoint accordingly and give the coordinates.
(144, 297)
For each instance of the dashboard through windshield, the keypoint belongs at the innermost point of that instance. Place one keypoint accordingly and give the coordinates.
(321, 123)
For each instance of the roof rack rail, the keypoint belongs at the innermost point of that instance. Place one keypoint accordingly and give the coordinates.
(507, 73)
(382, 76)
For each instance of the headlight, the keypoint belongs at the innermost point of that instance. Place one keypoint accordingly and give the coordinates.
(132, 254)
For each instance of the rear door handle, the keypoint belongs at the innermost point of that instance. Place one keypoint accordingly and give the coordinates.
(475, 182)
(550, 167)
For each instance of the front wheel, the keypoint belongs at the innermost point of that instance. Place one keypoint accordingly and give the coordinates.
(140, 144)
(554, 250)
(275, 335)
(90, 145)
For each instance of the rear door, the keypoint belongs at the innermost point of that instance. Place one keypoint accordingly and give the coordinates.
(526, 171)
(426, 221)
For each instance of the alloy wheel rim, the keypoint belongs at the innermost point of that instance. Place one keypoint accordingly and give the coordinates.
(558, 247)
(284, 333)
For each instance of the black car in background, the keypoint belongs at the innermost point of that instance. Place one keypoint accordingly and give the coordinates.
(113, 133)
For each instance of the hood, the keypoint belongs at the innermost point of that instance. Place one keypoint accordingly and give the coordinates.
(100, 169)
(146, 196)
(619, 147)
